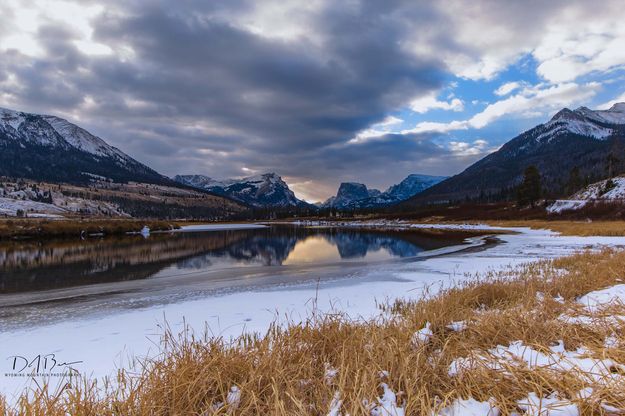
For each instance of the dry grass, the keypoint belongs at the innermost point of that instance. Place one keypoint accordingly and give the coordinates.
(283, 372)
(571, 228)
(31, 227)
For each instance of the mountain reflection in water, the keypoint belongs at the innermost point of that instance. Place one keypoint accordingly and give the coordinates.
(43, 265)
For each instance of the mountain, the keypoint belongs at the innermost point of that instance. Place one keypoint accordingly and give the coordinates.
(266, 190)
(581, 138)
(49, 148)
(357, 196)
(412, 185)
(348, 193)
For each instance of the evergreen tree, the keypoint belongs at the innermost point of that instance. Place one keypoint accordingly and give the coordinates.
(575, 181)
(612, 164)
(528, 193)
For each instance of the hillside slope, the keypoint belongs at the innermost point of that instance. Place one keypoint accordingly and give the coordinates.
(582, 138)
(49, 148)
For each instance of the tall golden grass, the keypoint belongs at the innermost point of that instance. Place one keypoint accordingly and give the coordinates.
(285, 371)
(571, 228)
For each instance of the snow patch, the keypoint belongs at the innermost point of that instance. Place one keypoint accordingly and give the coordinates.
(599, 300)
(469, 407)
(551, 405)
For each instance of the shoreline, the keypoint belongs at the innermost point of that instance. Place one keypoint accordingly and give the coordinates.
(233, 314)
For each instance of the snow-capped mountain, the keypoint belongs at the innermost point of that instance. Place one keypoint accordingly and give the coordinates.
(266, 190)
(357, 196)
(53, 149)
(412, 185)
(580, 138)
(348, 193)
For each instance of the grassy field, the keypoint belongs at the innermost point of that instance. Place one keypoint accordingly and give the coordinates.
(571, 228)
(335, 365)
(44, 228)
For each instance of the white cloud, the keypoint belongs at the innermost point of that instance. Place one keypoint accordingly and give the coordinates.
(377, 130)
(389, 121)
(478, 147)
(434, 127)
(29, 17)
(430, 102)
(531, 101)
(582, 43)
(566, 39)
(507, 88)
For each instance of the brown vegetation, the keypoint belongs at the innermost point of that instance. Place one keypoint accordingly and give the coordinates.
(37, 228)
(571, 228)
(284, 372)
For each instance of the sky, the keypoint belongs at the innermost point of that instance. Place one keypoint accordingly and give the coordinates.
(318, 91)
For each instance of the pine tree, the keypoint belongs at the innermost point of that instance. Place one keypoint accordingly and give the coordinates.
(575, 182)
(528, 193)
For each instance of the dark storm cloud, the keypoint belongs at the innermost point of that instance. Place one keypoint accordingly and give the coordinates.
(189, 90)
(286, 94)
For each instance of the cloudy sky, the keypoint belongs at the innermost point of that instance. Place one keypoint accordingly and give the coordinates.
(319, 91)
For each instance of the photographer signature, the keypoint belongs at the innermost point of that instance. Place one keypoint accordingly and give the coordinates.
(40, 363)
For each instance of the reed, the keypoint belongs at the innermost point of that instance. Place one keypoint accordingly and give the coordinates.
(303, 368)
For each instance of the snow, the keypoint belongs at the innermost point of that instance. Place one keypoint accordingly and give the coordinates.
(551, 405)
(82, 139)
(596, 190)
(457, 326)
(601, 299)
(11, 118)
(592, 193)
(335, 405)
(258, 190)
(565, 205)
(218, 227)
(517, 354)
(615, 115)
(9, 206)
(387, 404)
(49, 130)
(581, 127)
(28, 197)
(109, 340)
(422, 336)
(234, 397)
(584, 122)
(330, 374)
(469, 407)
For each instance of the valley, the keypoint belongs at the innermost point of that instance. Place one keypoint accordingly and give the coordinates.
(312, 208)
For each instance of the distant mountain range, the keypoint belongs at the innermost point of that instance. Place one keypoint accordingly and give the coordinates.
(352, 196)
(581, 138)
(589, 142)
(266, 190)
(50, 148)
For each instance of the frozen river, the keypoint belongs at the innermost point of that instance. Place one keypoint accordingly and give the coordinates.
(100, 302)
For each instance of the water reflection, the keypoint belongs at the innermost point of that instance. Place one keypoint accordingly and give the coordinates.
(31, 265)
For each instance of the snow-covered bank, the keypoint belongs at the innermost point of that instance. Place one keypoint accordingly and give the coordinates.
(105, 343)
(218, 227)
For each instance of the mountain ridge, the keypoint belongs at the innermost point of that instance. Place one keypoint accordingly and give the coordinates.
(259, 191)
(353, 195)
(581, 138)
(45, 147)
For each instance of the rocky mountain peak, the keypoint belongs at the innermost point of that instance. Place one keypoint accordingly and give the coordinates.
(263, 190)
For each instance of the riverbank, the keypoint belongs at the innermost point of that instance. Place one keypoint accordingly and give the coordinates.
(77, 228)
(547, 335)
